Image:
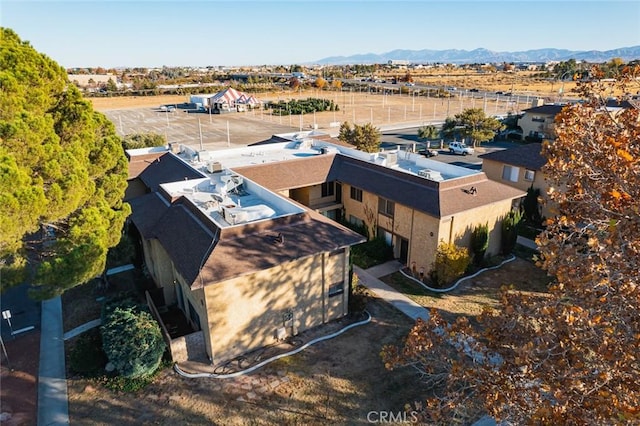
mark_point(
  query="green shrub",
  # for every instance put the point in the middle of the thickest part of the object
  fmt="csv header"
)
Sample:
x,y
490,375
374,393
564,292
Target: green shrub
x,y
532,209
143,140
357,296
132,341
87,357
510,225
371,253
479,243
451,263
301,106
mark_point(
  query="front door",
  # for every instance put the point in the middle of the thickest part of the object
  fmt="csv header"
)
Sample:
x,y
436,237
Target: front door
x,y
404,250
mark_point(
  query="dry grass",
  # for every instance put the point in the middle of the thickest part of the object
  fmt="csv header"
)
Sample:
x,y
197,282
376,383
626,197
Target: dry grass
x,y
333,382
472,295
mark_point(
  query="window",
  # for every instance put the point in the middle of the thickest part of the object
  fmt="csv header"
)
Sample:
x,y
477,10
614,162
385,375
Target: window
x,y
537,119
336,289
510,173
327,189
386,207
385,235
356,194
355,220
529,175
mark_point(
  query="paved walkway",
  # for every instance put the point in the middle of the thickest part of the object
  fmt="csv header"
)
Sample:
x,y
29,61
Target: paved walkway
x,y
53,406
527,242
369,279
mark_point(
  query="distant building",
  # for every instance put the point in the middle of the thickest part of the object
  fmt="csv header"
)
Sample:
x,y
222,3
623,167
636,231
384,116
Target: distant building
x,y
398,62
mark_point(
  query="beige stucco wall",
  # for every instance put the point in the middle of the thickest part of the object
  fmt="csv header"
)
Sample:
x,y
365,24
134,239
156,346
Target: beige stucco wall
x,y
245,313
367,210
462,224
423,241
301,195
528,125
160,267
493,170
425,232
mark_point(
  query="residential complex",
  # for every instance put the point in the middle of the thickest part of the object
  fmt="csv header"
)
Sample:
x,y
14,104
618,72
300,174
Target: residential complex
x,y
247,244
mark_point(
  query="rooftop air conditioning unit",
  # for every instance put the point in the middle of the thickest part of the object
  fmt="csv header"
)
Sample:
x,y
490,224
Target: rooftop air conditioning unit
x,y
214,166
392,158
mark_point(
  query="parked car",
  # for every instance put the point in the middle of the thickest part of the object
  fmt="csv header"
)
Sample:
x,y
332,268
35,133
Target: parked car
x,y
460,148
428,152
474,90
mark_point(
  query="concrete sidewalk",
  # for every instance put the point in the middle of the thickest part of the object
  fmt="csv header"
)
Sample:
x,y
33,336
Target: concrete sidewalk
x,y
53,406
369,279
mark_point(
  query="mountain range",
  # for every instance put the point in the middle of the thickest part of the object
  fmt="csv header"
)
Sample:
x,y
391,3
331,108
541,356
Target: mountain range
x,y
480,56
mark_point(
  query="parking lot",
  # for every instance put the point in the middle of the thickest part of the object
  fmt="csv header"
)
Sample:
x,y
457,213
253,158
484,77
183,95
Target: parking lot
x,y
197,129
218,131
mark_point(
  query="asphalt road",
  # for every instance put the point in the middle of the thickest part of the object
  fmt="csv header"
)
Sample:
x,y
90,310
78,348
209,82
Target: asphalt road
x,y
25,312
409,136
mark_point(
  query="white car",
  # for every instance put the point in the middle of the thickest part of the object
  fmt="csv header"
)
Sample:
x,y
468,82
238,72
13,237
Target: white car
x,y
460,148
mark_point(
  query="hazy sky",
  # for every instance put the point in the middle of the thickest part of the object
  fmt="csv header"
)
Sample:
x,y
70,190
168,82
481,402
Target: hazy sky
x,y
152,33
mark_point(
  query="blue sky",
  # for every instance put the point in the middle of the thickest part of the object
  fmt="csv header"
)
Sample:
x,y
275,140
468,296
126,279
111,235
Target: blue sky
x,y
152,33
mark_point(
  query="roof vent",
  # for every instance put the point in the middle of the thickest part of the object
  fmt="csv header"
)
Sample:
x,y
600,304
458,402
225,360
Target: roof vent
x,y
214,166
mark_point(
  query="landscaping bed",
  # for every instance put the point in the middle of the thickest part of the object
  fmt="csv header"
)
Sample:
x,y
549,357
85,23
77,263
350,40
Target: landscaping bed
x,y
473,294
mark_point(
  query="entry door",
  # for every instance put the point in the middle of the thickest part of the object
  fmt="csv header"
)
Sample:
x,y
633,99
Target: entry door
x,y
404,250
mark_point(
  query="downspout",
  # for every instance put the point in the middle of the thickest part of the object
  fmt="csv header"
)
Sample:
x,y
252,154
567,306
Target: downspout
x,y
413,214
325,290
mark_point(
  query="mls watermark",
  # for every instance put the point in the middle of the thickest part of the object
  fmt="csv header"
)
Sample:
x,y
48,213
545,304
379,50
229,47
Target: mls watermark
x,y
392,417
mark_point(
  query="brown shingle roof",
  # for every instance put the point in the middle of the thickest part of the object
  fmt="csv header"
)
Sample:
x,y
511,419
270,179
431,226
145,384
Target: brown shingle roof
x,y
272,139
166,168
138,163
238,254
186,239
146,210
550,109
456,195
528,156
290,174
433,198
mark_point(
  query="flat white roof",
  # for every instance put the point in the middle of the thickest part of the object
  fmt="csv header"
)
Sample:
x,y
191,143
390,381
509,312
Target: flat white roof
x,y
229,199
